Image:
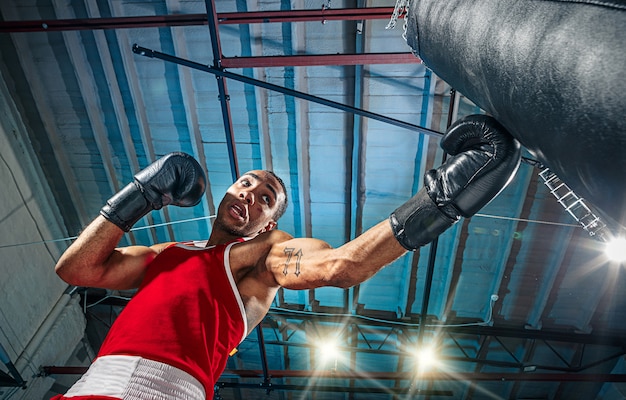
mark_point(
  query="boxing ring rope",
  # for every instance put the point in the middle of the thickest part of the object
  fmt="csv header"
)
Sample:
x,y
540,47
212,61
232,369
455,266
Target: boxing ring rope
x,y
182,221
132,230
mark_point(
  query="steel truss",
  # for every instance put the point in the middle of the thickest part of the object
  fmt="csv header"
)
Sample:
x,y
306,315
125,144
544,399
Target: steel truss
x,y
365,333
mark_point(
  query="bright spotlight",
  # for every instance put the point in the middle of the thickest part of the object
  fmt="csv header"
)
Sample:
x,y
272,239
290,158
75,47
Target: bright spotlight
x,y
616,249
426,358
328,350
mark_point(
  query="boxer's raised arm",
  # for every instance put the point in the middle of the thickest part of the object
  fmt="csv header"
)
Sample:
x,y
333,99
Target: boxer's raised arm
x,y
94,260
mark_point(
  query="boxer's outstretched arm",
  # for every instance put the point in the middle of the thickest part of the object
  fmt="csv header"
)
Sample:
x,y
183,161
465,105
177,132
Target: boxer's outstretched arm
x,y
484,159
310,263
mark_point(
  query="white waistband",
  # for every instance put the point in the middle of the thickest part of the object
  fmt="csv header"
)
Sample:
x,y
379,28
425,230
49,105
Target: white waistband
x,y
136,378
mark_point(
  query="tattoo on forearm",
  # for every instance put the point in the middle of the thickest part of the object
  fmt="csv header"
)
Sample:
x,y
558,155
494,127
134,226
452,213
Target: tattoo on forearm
x,y
289,251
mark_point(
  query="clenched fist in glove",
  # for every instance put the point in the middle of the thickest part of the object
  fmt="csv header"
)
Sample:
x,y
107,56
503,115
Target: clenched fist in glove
x,y
176,179
484,159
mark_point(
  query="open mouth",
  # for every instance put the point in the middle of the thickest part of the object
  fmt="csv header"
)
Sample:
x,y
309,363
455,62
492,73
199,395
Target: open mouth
x,y
237,210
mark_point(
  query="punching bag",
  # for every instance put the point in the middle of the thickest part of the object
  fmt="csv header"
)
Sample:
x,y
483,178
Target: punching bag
x,y
552,72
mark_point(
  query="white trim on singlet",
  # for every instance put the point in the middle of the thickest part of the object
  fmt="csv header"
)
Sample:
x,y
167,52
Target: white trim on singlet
x,y
199,245
233,285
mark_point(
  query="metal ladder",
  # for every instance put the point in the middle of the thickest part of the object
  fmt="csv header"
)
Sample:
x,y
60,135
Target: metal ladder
x,y
574,205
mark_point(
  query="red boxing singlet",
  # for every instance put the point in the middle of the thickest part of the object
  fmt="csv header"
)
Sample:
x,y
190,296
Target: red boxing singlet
x,y
187,313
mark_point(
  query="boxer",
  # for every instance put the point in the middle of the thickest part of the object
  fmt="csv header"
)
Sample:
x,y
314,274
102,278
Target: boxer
x,y
194,305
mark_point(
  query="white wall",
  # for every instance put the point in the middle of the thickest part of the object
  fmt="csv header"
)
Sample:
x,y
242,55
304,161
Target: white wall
x,y
39,324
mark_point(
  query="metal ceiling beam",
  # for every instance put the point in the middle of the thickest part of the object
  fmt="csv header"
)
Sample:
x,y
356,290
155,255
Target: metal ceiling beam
x,y
320,60
321,14
159,21
516,365
305,96
597,338
386,375
331,389
401,353
480,358
430,376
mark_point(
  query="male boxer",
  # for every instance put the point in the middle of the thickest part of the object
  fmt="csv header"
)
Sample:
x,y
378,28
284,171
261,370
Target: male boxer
x,y
196,304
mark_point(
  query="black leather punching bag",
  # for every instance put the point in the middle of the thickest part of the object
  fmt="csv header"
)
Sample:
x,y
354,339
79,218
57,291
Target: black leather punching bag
x,y
552,72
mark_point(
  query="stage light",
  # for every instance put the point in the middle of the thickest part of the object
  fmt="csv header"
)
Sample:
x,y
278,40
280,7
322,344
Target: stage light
x,y
328,353
616,249
328,350
426,358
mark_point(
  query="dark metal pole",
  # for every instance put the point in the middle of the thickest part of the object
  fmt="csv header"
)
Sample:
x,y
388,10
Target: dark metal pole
x,y
331,388
158,21
308,60
433,247
386,375
436,376
305,96
222,88
264,365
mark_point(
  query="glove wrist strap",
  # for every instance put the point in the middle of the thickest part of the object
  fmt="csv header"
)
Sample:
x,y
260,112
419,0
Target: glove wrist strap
x,y
419,221
126,207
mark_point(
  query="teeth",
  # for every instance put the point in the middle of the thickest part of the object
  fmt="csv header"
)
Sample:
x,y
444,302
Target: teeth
x,y
238,209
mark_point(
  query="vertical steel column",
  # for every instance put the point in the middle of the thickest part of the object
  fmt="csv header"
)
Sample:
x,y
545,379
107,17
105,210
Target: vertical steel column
x,y
432,255
264,365
223,90
433,246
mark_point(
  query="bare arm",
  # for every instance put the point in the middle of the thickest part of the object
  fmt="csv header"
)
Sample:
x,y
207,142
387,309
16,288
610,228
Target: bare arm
x,y
94,261
311,263
484,159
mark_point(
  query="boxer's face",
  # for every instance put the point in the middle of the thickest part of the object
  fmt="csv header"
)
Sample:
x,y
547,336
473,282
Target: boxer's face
x,y
249,206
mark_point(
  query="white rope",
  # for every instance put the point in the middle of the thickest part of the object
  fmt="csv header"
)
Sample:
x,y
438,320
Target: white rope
x,y
132,230
213,216
534,221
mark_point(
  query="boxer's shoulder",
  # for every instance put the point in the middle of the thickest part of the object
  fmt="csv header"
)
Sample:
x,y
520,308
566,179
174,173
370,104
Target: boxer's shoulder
x,y
267,239
250,252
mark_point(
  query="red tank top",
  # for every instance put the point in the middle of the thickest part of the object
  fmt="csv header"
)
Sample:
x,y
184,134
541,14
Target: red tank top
x,y
187,313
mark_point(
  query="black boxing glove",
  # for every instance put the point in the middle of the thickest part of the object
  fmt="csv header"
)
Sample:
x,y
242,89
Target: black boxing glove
x,y
176,178
485,157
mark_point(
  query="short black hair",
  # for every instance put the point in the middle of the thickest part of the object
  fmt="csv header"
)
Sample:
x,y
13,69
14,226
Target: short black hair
x,y
283,206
